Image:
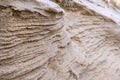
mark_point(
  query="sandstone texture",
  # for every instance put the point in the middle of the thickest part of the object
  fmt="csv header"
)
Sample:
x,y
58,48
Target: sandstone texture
x,y
58,40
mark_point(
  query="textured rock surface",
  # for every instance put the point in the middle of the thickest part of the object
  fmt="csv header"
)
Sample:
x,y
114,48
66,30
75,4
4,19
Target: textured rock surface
x,y
77,45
